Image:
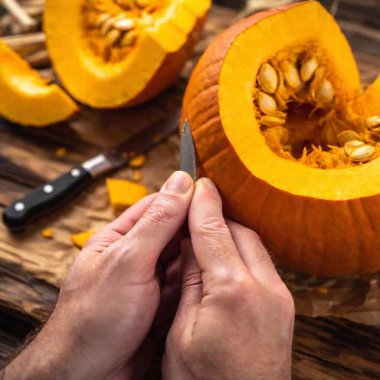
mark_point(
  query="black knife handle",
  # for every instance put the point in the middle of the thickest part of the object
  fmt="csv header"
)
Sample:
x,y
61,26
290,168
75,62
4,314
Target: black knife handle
x,y
45,198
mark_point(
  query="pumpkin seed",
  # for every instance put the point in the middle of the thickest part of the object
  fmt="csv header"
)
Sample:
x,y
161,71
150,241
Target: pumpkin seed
x,y
350,146
113,37
124,24
325,92
346,136
101,19
373,122
272,121
266,103
268,79
292,76
129,39
308,69
362,153
107,26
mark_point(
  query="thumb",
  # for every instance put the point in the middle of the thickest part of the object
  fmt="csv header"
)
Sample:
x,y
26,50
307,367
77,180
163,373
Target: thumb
x,y
192,290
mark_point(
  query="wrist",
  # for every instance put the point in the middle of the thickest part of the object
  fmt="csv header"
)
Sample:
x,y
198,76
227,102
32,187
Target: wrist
x,y
53,354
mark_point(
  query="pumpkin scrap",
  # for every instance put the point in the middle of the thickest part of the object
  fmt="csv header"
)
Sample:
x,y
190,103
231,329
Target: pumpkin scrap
x,y
282,125
25,98
82,238
137,162
137,175
61,152
123,193
113,53
48,233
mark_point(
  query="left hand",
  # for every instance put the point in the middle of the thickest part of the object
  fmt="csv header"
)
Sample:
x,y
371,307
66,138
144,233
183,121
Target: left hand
x,y
110,297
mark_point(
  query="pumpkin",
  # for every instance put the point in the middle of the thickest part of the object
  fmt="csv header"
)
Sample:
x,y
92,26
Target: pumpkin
x,y
114,53
25,98
282,125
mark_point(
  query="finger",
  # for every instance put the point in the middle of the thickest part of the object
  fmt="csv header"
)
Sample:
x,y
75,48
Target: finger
x,y
141,247
192,290
173,249
121,225
169,296
212,242
253,253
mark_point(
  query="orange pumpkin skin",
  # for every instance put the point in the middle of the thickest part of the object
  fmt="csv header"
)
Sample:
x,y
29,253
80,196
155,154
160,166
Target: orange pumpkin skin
x,y
310,235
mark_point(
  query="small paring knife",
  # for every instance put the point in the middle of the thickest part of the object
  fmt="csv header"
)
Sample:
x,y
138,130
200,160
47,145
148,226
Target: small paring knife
x,y
52,194
188,158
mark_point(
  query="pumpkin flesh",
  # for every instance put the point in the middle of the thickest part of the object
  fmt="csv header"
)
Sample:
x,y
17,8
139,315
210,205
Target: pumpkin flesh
x,y
315,218
25,98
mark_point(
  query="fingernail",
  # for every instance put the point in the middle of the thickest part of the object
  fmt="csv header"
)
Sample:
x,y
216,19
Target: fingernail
x,y
207,182
178,183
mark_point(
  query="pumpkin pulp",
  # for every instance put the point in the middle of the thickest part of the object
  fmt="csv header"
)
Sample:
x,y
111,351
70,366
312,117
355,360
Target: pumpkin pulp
x,y
304,120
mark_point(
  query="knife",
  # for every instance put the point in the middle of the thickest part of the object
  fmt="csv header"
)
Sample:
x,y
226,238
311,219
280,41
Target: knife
x,y
49,196
188,158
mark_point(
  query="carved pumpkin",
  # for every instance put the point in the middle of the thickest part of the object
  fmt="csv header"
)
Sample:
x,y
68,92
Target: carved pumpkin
x,y
282,125
25,98
113,53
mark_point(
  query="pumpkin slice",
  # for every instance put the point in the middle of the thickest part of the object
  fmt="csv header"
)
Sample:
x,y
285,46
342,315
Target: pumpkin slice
x,y
25,98
113,53
282,125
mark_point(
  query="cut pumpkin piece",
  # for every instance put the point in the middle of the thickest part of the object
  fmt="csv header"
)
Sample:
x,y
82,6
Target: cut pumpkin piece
x,y
114,53
82,238
25,98
123,193
283,127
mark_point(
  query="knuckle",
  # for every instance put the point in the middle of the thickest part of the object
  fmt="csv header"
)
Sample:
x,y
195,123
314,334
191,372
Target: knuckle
x,y
164,209
237,288
119,256
192,280
212,225
285,299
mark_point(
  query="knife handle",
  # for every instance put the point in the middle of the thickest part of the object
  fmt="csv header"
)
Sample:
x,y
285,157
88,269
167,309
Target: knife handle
x,y
45,198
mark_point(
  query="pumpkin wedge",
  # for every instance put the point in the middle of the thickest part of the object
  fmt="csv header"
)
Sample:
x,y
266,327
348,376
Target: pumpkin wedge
x,y
114,53
282,125
25,98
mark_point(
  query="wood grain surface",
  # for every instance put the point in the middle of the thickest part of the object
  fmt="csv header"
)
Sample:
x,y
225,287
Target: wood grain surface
x,y
32,267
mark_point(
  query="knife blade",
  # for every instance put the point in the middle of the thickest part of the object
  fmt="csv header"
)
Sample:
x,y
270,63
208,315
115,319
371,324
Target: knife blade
x,y
188,158
52,194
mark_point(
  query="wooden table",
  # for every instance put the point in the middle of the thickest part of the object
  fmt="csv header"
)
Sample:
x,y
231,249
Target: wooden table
x,y
32,267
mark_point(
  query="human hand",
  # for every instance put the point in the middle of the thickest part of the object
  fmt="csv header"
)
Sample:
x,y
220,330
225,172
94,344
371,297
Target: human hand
x,y
235,318
110,297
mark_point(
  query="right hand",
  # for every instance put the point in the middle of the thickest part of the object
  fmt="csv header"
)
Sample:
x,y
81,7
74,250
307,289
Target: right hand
x,y
236,317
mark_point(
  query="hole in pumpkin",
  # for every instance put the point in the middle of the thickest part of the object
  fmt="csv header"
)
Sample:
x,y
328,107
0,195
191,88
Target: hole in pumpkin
x,y
302,116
